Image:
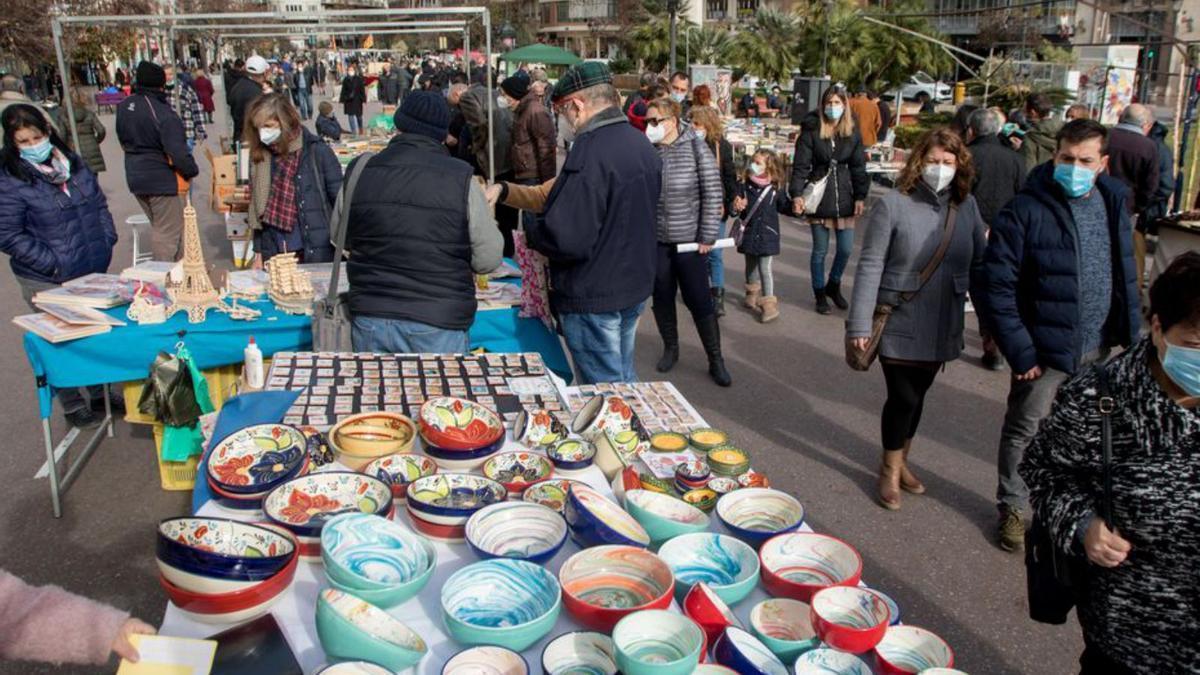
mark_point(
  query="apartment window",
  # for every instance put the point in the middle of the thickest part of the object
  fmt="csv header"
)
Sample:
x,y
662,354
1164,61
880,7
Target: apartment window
x,y
717,10
562,11
747,8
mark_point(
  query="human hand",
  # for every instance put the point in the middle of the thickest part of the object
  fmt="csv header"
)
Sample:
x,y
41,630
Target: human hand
x,y
859,207
122,646
451,141
739,203
257,263
493,193
798,205
705,248
1030,375
1103,546
860,343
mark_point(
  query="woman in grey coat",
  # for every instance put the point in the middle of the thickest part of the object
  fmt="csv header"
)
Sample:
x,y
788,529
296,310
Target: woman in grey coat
x,y
689,211
903,230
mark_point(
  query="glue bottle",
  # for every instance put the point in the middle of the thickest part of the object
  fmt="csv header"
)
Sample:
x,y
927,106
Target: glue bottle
x,y
252,368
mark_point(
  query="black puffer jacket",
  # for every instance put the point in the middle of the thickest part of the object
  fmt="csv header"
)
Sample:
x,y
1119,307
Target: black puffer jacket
x,y
999,175
155,147
843,157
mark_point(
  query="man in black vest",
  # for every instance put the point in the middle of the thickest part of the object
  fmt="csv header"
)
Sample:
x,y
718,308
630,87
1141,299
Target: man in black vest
x,y
419,229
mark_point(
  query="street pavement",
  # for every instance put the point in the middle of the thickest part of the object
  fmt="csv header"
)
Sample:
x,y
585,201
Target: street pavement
x,y
811,424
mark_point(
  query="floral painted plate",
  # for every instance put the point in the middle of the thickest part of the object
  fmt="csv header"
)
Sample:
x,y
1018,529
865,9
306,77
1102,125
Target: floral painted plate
x,y
518,470
303,504
458,424
552,493
257,457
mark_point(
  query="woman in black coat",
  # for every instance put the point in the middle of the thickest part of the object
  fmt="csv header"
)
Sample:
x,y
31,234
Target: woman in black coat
x,y
706,120
829,145
354,95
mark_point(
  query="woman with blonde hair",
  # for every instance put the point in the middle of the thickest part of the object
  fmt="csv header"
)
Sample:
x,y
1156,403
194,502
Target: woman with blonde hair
x,y
830,161
709,126
294,180
921,242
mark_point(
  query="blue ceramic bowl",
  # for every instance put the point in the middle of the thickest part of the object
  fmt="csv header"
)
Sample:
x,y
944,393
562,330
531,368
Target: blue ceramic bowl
x,y
351,628
486,659
597,521
520,530
453,495
305,503
501,602
222,548
754,515
824,660
892,606
256,459
580,652
571,454
376,559
728,566
744,653
657,642
447,453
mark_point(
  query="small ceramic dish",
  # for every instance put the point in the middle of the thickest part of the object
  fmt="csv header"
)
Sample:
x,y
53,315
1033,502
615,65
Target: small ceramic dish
x,y
354,668
693,471
709,612
571,454
785,627
520,530
726,460
517,470
551,493
657,642
655,484
257,458
351,628
580,652
849,618
744,653
486,659
707,439
663,516
723,485
595,520
755,515
453,495
823,661
458,424
701,498
401,469
603,584
304,504
798,564
360,439
907,649
668,441
510,603
753,479
727,565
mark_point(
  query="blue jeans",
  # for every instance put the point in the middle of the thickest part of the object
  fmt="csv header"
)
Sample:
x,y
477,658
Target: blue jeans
x,y
304,103
845,246
716,261
356,124
400,336
602,344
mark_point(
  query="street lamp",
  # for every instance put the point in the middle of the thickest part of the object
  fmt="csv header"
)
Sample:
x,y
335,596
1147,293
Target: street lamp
x,y
508,35
673,9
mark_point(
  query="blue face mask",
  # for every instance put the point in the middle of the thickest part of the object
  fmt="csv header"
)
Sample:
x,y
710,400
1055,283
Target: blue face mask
x,y
37,153
834,112
1075,180
1182,365
678,97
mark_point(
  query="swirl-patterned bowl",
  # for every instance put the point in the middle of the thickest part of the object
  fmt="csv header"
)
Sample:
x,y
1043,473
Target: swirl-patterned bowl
x,y
663,516
754,515
823,661
455,496
360,439
354,668
518,470
892,606
728,566
551,493
458,424
221,549
487,659
709,612
520,530
849,618
401,469
908,649
746,654
596,521
657,642
603,584
580,653
257,458
502,602
713,669
352,628
571,454
785,627
798,564
376,559
304,504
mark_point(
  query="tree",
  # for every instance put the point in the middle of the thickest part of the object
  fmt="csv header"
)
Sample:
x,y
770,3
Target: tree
x,y
24,30
709,44
766,46
650,40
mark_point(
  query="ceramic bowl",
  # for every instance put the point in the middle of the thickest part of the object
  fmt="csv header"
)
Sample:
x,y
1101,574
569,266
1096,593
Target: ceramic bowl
x,y
595,520
490,660
360,439
354,668
235,502
657,642
707,439
726,460
942,671
713,669
401,469
754,515
520,530
453,495
198,583
466,465
602,585
458,424
753,479
222,548
303,504
604,415
664,517
533,428
701,498
722,485
571,454
580,652
451,455
655,484
798,564
849,618
366,553
551,493
893,608
785,627
707,609
455,534
728,566
908,649
744,653
352,628
236,606
502,602
693,470
257,458
823,661
517,470
668,441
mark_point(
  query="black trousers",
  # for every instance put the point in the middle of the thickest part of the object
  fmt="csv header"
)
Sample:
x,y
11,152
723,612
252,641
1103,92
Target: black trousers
x,y
506,219
687,273
906,387
1095,662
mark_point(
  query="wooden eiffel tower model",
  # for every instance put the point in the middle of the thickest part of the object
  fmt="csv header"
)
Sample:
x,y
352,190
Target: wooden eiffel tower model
x,y
194,293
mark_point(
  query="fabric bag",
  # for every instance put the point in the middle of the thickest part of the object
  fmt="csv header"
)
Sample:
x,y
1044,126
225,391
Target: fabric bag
x,y
331,315
535,289
861,359
1051,578
814,193
738,230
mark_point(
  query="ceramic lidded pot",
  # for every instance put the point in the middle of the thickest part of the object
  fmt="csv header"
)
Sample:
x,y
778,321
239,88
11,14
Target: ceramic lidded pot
x,y
534,428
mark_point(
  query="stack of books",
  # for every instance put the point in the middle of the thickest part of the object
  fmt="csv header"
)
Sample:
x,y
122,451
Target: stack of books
x,y
152,272
100,291
72,311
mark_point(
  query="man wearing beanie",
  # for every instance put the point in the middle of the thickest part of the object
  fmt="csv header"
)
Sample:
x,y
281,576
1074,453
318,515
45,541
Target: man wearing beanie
x,y
420,228
533,155
158,163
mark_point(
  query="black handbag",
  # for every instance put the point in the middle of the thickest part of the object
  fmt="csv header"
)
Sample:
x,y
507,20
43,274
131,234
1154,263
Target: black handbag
x,y
1052,578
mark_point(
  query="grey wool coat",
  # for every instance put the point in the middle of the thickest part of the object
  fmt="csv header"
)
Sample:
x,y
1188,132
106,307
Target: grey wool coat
x,y
689,206
900,235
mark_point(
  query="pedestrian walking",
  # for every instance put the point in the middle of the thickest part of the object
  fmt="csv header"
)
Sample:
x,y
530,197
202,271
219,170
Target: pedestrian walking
x,y
534,158
762,196
1133,159
204,89
245,90
709,127
866,117
186,103
1040,141
90,129
353,98
301,83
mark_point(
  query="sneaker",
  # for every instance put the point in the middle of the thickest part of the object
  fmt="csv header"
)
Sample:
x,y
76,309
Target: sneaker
x,y
83,418
1012,529
116,403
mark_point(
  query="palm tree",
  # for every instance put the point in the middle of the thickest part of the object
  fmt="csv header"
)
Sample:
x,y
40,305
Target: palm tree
x,y
709,44
650,41
767,46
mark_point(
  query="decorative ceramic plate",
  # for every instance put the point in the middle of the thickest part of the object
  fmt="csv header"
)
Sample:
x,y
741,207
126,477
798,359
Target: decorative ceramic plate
x,y
227,537
374,548
552,493
518,470
454,493
304,504
459,424
257,456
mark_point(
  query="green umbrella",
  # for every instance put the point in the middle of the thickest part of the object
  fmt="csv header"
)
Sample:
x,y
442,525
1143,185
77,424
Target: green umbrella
x,y
539,53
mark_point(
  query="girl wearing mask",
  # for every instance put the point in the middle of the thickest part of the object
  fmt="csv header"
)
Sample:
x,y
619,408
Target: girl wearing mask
x,y
762,197
709,128
903,233
354,96
294,180
829,149
689,209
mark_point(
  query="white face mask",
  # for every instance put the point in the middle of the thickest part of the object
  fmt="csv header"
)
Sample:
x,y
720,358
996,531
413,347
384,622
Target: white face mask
x,y
268,135
502,101
702,134
938,176
757,169
656,133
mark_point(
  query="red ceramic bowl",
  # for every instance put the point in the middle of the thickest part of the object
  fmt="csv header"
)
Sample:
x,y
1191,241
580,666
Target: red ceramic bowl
x,y
703,644
905,650
798,564
485,426
226,603
451,533
849,618
708,611
603,584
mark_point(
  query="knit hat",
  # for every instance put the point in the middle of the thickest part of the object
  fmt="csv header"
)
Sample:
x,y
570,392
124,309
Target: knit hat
x,y
516,85
256,65
151,75
425,113
580,77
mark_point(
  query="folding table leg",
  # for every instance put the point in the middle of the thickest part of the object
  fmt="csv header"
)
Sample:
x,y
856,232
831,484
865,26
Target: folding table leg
x,y
52,467
108,416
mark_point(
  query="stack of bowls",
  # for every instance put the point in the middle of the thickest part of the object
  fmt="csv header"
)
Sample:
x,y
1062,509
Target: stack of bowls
x,y
744,653
662,516
785,627
520,530
486,659
352,628
224,571
303,505
251,462
707,439
361,439
400,469
580,652
849,618
604,584
726,460
908,649
518,470
507,603
755,515
658,642
728,566
691,475
439,506
595,520
460,435
798,564
375,559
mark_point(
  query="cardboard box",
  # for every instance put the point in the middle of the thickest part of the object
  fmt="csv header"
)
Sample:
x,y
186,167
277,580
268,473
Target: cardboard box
x,y
225,169
224,192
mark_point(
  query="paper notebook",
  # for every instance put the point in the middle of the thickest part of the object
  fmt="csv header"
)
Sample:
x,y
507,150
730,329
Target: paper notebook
x,y
162,655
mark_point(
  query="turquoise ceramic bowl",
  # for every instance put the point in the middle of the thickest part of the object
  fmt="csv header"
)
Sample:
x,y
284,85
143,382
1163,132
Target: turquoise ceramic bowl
x,y
727,565
657,642
376,559
579,653
785,627
502,602
353,629
663,516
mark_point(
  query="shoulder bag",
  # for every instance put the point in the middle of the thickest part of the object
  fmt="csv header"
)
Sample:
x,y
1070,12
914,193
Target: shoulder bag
x,y
814,193
1052,579
738,230
861,359
331,315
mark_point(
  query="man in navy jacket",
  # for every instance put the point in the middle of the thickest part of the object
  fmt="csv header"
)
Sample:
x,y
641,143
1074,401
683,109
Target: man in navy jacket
x,y
1058,291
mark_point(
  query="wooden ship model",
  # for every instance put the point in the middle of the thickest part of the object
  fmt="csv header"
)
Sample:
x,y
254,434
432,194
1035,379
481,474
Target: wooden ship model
x,y
194,292
288,286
